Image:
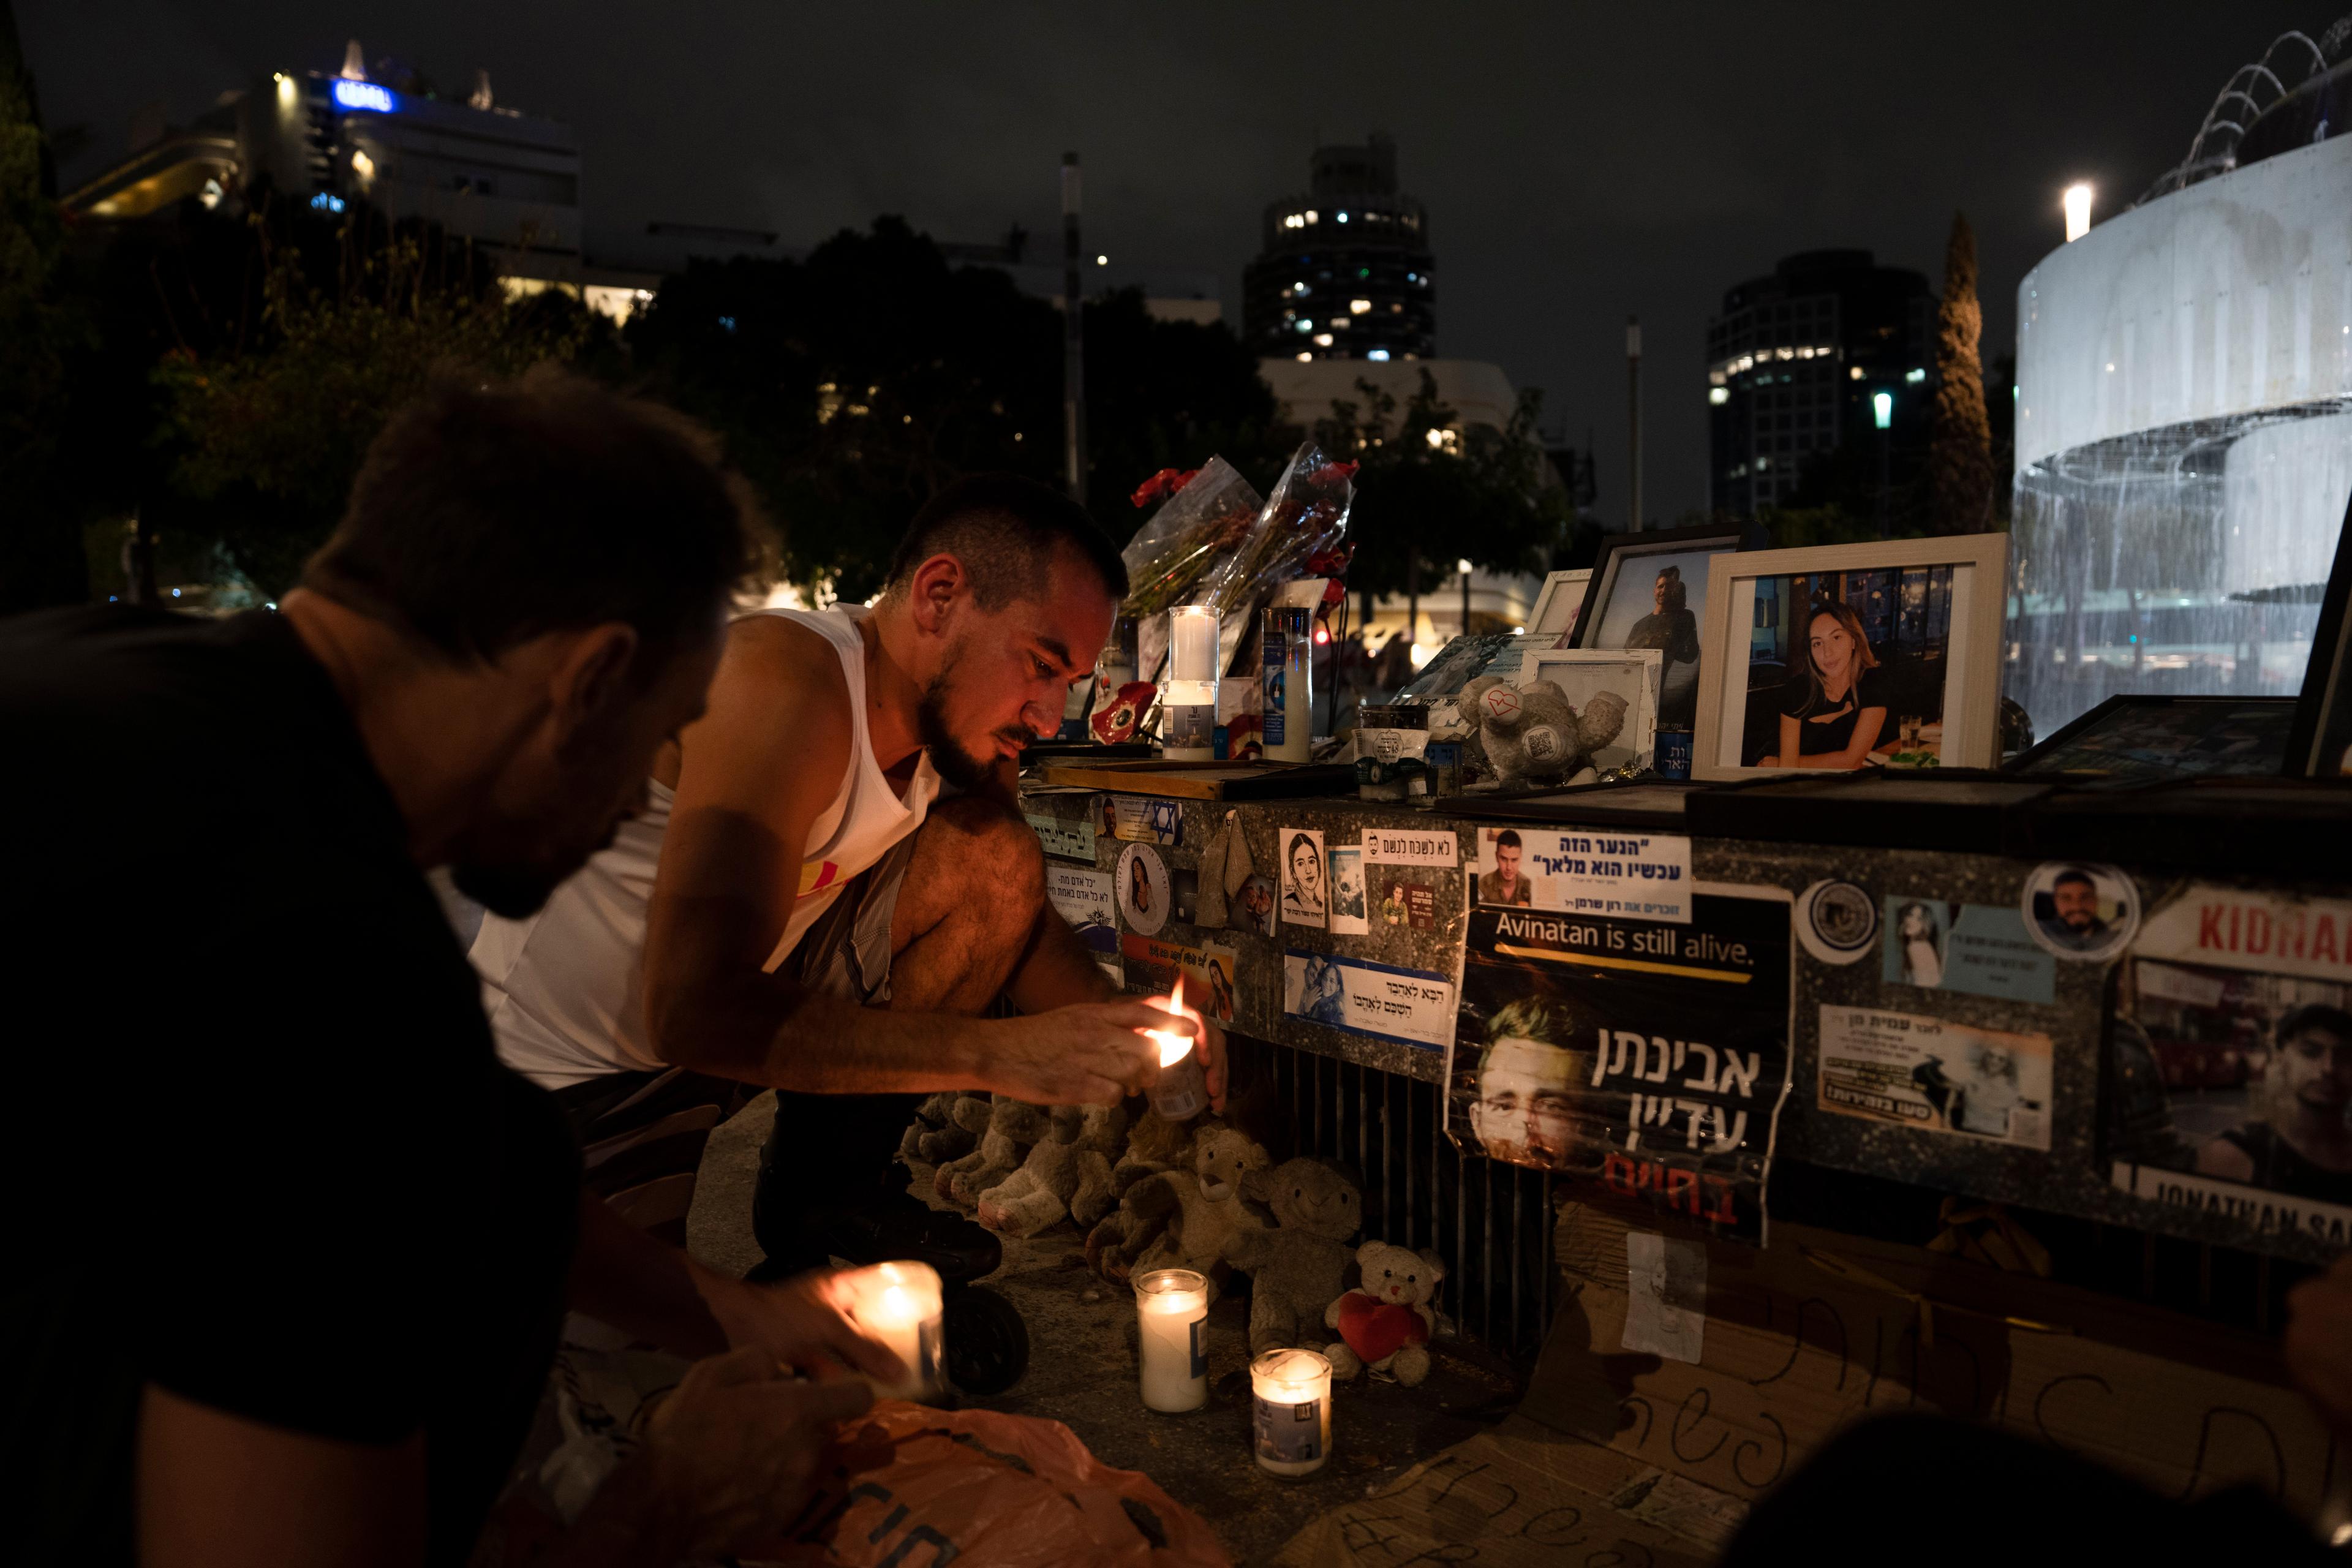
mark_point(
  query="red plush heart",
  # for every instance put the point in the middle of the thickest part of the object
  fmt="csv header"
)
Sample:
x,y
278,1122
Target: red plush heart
x,y
1376,1330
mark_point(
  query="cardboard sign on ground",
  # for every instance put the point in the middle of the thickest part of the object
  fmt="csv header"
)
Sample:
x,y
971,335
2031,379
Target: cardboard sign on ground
x,y
1616,1451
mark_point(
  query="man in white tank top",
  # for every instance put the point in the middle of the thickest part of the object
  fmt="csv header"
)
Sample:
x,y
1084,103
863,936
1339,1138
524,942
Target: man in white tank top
x,y
794,910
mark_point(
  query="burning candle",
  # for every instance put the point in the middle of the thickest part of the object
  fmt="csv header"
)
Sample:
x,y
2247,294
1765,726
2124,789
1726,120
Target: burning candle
x,y
899,1304
1182,1090
1172,1308
1291,1411
1191,696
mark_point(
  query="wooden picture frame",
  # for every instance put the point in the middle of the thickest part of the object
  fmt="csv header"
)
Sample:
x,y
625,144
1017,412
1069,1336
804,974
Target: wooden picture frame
x,y
1622,606
1574,670
1560,600
1619,550
2319,745
1944,659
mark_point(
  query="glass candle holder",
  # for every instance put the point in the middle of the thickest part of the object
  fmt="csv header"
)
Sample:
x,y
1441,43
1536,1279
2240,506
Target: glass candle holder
x,y
1290,1411
900,1305
1189,702
1287,684
1171,1306
1181,1091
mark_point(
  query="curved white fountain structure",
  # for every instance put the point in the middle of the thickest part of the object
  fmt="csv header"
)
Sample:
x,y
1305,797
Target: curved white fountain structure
x,y
2184,438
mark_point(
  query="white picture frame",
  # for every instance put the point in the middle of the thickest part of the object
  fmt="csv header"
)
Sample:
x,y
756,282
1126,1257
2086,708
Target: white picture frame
x,y
1557,604
1968,688
1631,673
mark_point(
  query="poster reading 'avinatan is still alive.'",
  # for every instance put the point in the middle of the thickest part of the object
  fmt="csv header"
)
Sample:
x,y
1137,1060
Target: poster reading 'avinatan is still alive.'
x,y
1652,1056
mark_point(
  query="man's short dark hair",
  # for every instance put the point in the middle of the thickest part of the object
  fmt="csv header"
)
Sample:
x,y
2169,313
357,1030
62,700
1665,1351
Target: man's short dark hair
x,y
2073,874
2301,1021
1507,840
486,514
1006,529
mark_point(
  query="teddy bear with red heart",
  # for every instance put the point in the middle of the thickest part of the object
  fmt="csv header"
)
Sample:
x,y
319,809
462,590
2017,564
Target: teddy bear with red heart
x,y
1385,1322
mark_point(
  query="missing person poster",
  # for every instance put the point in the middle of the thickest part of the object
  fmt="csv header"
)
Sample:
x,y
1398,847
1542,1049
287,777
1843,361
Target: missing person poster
x,y
1939,1076
2229,1079
1635,875
1651,1057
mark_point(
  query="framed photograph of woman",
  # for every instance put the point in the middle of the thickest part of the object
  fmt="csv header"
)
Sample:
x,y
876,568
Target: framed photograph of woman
x,y
1852,655
1649,590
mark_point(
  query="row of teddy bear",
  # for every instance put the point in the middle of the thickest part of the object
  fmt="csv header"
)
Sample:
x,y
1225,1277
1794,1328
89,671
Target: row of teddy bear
x,y
1200,1195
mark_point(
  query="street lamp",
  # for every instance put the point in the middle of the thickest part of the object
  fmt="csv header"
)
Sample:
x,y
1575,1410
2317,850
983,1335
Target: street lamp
x,y
1463,566
1882,414
2077,202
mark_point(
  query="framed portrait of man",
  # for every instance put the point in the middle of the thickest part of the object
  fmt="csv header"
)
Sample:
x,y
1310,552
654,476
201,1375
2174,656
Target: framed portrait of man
x,y
1649,591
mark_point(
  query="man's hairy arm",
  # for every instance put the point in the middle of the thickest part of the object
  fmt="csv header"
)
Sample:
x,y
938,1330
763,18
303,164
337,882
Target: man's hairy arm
x,y
756,773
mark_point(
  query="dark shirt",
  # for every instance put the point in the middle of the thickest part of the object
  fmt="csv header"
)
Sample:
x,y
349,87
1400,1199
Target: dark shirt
x,y
262,1152
1676,631
1830,726
2279,1167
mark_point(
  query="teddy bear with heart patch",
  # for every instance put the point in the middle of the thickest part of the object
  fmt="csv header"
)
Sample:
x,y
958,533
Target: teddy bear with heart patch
x,y
1385,1322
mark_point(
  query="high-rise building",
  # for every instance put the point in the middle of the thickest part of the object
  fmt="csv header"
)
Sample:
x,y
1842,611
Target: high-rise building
x,y
1344,271
1829,350
508,181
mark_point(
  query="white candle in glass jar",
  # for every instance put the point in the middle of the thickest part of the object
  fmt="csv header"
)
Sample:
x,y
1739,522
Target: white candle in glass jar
x,y
899,1304
1189,704
1291,1411
1182,1090
1172,1308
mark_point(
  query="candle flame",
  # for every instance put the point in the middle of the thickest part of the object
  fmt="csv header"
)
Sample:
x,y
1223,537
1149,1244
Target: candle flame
x,y
1174,1049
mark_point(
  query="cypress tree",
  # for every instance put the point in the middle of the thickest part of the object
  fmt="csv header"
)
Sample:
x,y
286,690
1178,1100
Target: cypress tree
x,y
1959,449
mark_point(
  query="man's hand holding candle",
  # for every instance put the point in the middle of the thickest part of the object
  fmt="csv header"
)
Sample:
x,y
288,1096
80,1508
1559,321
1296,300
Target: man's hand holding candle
x,y
805,1322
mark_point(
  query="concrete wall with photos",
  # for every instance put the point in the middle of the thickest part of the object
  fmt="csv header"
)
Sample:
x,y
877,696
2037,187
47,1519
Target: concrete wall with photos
x,y
1951,1049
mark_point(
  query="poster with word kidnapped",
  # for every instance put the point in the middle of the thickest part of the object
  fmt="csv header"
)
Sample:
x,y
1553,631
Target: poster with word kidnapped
x,y
1651,1056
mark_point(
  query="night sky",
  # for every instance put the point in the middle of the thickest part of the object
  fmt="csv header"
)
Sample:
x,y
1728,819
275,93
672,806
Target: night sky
x,y
1580,162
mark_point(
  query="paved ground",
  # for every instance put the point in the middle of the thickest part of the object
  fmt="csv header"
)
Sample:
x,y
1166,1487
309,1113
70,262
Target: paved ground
x,y
1082,1372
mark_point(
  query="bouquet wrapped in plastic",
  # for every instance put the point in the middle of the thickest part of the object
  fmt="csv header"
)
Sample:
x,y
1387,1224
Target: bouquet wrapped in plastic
x,y
1307,517
1205,515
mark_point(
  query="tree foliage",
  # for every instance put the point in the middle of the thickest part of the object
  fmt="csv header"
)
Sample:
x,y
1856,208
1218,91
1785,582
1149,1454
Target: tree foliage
x,y
1959,442
40,552
1430,493
852,386
267,429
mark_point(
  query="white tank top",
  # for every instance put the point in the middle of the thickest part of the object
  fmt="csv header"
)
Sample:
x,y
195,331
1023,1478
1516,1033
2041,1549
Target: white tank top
x,y
564,988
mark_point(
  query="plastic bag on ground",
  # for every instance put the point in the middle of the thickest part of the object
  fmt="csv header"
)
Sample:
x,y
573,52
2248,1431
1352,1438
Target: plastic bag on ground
x,y
918,1485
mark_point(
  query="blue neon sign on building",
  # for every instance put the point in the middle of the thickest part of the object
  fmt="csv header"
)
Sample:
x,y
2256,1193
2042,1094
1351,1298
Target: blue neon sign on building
x,y
364,95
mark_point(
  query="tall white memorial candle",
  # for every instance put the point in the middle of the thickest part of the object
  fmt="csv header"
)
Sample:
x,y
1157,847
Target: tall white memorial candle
x,y
1189,713
1171,1306
1182,1090
1291,1411
899,1304
1288,684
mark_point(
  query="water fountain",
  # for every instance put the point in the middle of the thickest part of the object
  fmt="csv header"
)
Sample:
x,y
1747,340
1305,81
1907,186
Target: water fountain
x,y
2184,420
